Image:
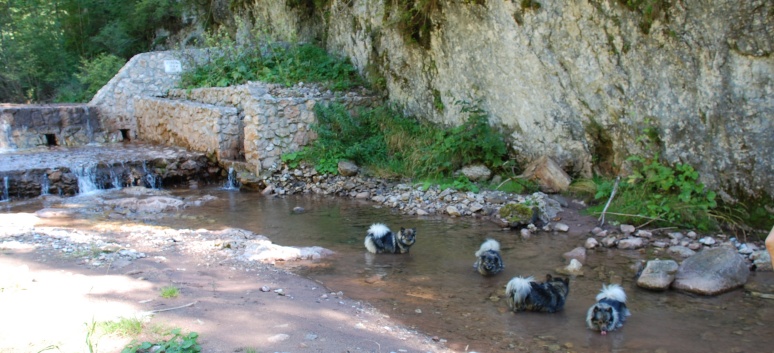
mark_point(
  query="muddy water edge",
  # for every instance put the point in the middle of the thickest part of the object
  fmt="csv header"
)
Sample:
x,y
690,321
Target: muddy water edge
x,y
435,290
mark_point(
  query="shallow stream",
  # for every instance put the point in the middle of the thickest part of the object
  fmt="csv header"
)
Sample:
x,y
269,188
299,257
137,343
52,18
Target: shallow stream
x,y
435,290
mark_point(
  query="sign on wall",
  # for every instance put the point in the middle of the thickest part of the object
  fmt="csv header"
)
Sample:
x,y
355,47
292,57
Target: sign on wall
x,y
173,66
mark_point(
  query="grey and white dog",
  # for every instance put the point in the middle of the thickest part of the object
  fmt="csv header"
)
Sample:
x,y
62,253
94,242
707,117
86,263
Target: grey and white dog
x,y
610,311
488,259
380,239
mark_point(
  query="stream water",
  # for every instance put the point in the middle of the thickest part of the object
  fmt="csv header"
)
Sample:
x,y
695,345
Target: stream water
x,y
435,290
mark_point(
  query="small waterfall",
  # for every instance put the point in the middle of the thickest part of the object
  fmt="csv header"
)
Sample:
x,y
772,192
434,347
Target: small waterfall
x,y
152,181
87,178
6,137
115,178
231,183
5,196
45,184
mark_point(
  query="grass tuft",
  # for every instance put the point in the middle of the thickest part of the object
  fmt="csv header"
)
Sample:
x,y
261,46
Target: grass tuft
x,y
170,292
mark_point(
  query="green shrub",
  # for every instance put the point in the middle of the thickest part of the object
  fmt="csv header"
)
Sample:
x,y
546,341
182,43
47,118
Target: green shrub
x,y
659,194
94,74
389,143
178,343
473,141
233,64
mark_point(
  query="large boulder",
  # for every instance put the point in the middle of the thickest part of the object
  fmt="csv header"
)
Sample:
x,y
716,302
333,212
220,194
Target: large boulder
x,y
712,271
347,168
476,172
658,274
548,174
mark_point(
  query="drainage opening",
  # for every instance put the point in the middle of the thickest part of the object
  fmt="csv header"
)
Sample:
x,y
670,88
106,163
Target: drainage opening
x,y
50,140
124,134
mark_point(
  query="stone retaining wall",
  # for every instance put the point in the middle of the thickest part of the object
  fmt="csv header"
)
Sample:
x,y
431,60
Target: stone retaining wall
x,y
275,120
255,122
201,127
145,75
29,126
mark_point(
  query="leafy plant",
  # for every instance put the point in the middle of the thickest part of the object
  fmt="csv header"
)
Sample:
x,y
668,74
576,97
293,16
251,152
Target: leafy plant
x,y
234,64
170,292
178,343
661,194
473,141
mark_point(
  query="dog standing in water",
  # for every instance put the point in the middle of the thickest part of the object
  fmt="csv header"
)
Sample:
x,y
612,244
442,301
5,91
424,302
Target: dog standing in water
x,y
489,262
380,239
610,312
524,294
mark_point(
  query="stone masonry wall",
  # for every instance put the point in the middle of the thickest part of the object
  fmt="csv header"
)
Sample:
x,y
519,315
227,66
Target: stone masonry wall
x,y
145,75
197,126
275,120
258,122
23,127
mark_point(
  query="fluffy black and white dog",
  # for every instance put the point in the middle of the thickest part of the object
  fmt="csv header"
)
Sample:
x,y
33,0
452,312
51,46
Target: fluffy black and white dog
x,y
381,239
610,311
488,259
524,294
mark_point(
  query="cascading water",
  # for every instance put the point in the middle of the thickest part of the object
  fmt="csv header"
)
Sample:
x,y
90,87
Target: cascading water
x,y
45,184
151,181
5,196
115,178
87,178
231,183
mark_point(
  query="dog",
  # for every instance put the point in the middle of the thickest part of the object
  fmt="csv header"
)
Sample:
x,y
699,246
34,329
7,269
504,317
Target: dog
x,y
610,311
489,261
381,239
524,294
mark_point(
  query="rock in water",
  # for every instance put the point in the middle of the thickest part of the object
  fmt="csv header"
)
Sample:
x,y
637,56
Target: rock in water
x,y
712,271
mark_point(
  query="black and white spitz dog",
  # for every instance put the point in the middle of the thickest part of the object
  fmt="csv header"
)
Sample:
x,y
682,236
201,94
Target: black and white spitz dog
x,y
488,260
381,239
524,294
609,312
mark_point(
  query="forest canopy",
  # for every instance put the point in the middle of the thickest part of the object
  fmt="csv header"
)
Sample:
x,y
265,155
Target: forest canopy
x,y
54,50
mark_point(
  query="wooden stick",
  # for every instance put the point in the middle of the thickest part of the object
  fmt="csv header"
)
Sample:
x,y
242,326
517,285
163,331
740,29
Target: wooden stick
x,y
168,309
612,194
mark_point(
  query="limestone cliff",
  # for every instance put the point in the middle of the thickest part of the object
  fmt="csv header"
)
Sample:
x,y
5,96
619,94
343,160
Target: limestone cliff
x,y
577,80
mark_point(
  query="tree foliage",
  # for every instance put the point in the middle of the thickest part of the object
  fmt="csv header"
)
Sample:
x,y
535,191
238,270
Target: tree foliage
x,y
42,42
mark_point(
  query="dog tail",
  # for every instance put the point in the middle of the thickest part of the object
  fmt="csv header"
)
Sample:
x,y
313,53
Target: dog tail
x,y
369,244
378,230
518,288
489,244
612,292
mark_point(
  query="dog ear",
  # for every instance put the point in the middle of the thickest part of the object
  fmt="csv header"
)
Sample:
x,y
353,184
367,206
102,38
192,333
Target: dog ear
x,y
548,277
402,229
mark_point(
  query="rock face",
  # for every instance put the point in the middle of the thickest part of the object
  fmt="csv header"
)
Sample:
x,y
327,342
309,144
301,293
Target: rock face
x,y
576,80
712,271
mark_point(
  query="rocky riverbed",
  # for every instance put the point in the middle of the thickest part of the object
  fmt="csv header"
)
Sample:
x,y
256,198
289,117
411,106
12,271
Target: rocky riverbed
x,y
415,199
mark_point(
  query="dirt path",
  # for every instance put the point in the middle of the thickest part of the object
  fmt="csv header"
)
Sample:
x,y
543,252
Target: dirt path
x,y
48,300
